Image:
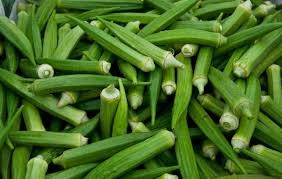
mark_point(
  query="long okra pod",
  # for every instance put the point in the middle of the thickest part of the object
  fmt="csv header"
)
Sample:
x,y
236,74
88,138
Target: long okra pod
x,y
211,104
206,124
161,57
43,12
90,105
166,18
110,98
184,149
11,62
113,45
36,168
99,151
127,70
244,66
232,94
200,77
183,91
22,22
120,120
209,149
20,159
252,167
154,91
212,26
35,35
274,83
149,148
143,18
37,71
272,109
168,81
63,31
50,37
228,121
264,9
185,36
135,93
32,118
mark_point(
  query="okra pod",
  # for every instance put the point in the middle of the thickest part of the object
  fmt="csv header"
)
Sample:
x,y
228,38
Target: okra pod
x,y
228,121
251,22
208,2
272,109
140,115
20,159
99,151
5,162
184,149
167,18
189,50
77,66
32,118
185,36
257,53
87,95
274,83
113,45
43,12
206,124
36,168
252,167
200,77
120,120
135,93
163,58
48,139
63,31
264,9
209,150
110,98
106,56
35,35
238,17
127,70
125,17
211,104
168,81
184,90
232,94
68,97
23,20
149,148
93,53
154,91
50,37
10,31
91,105
211,26
246,36
38,71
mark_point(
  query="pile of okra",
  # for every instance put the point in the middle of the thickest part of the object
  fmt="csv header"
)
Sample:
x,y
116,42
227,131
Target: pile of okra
x,y
141,89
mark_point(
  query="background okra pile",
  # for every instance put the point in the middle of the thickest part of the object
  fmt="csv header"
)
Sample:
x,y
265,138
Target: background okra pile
x,y
140,89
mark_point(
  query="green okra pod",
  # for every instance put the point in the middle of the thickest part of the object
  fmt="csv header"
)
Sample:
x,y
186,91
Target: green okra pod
x,y
11,62
20,159
38,71
189,50
185,36
63,31
251,22
252,167
184,90
23,20
50,37
264,9
272,109
5,161
110,98
257,53
36,168
68,97
99,151
211,104
228,121
232,94
120,121
209,149
113,45
43,12
200,77
143,18
93,53
274,83
48,139
127,70
91,105
35,35
140,115
168,81
212,26
149,148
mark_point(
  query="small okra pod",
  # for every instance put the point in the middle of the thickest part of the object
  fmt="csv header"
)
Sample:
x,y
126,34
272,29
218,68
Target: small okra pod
x,y
264,9
115,46
143,18
211,104
48,139
243,135
252,167
10,31
50,37
11,61
232,94
149,173
206,124
127,70
246,36
257,53
211,26
184,149
110,98
272,109
168,17
38,71
93,53
183,91
20,158
23,20
35,35
100,150
168,81
32,118
187,35
154,91
251,22
239,16
120,121
74,172
135,93
212,10
43,13
273,73
77,66
189,50
200,77
5,130
135,154
36,168
162,57
68,43
272,57
106,56
140,115
63,31
209,150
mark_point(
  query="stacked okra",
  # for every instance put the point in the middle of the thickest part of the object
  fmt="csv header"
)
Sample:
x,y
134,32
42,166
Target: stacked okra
x,y
141,89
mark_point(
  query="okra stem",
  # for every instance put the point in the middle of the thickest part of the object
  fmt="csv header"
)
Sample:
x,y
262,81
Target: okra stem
x,y
274,83
269,107
189,50
37,71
